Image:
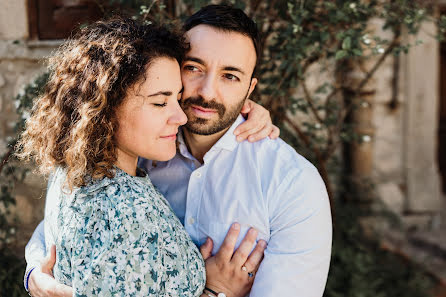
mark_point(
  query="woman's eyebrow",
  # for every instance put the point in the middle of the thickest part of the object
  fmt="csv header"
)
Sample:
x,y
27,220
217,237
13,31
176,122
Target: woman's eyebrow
x,y
164,93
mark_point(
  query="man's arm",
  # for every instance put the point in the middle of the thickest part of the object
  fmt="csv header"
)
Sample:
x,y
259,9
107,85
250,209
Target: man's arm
x,y
35,251
297,258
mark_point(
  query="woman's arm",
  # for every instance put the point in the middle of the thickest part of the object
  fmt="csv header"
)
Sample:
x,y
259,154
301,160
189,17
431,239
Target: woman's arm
x,y
258,124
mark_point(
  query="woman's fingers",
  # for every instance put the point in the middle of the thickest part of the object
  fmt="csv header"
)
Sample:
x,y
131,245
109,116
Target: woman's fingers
x,y
247,128
256,257
247,134
270,130
261,134
241,254
206,248
258,119
275,132
227,248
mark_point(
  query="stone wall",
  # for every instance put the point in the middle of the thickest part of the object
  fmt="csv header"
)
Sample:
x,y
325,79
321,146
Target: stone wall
x,y
405,144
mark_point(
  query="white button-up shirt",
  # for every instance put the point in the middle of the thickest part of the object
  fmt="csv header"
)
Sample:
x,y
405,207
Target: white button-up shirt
x,y
265,185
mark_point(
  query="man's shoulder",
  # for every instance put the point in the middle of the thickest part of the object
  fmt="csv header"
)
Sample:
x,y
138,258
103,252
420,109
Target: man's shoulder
x,y
279,152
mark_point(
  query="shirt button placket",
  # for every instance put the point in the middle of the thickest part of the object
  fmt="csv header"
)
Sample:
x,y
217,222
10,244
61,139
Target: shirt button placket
x,y
199,193
194,194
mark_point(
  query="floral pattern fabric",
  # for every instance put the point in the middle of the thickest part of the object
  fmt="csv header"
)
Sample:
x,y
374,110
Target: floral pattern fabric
x,y
119,237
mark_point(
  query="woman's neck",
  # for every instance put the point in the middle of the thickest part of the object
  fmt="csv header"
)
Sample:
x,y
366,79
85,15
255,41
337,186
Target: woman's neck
x,y
126,162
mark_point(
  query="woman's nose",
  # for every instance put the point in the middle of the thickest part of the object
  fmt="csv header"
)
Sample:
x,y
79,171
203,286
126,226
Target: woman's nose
x,y
178,116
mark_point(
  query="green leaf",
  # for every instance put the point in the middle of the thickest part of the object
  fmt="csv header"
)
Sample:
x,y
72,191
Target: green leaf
x,y
341,54
347,43
357,52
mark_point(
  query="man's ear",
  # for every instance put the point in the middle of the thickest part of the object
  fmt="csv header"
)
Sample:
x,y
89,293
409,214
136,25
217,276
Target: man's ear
x,y
252,86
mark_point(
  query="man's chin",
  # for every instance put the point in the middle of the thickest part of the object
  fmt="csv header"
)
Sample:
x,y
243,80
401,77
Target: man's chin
x,y
203,127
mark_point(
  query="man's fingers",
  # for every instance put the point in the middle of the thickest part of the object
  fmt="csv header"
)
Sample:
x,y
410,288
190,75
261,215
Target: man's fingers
x,y
206,248
227,247
242,252
49,261
275,132
44,285
254,260
63,290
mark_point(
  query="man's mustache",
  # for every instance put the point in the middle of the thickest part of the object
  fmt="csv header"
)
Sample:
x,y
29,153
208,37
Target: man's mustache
x,y
199,101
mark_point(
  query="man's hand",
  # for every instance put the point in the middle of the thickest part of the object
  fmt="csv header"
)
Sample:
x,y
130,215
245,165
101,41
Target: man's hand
x,y
233,272
42,282
258,124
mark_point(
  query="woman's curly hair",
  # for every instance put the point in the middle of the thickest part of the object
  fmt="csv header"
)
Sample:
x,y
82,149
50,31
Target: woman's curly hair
x,y
73,122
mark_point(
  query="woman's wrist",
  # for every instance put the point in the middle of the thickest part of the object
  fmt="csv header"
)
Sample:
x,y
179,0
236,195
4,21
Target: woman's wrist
x,y
217,291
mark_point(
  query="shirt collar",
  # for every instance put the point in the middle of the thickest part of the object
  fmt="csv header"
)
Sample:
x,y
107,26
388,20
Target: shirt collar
x,y
227,142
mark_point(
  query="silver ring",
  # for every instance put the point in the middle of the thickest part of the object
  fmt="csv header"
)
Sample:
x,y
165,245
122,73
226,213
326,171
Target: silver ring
x,y
244,268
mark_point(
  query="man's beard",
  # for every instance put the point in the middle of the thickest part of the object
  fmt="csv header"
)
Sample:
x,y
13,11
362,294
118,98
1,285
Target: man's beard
x,y
201,126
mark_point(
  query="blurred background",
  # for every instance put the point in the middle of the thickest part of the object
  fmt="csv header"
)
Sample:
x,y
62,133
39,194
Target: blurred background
x,y
357,87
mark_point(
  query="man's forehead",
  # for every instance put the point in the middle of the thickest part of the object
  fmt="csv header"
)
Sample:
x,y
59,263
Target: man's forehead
x,y
227,47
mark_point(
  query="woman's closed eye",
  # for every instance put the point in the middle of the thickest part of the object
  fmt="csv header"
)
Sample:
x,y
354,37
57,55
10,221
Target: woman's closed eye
x,y
160,104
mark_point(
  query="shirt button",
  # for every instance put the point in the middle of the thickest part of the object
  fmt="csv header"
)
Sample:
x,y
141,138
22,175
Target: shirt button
x,y
191,221
198,174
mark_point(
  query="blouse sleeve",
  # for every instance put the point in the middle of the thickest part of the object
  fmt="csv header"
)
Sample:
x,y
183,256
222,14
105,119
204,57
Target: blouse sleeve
x,y
115,250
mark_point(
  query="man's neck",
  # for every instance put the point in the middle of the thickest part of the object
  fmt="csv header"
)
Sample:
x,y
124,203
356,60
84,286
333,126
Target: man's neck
x,y
199,145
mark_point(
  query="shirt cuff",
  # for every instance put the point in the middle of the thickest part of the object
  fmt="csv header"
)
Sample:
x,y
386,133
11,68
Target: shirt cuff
x,y
26,277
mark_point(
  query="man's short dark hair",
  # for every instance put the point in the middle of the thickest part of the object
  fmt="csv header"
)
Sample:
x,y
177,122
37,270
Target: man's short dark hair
x,y
227,18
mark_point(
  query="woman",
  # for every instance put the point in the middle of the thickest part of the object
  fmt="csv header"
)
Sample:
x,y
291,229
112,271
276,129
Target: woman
x,y
113,96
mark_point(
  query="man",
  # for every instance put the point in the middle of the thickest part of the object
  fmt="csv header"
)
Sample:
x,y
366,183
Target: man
x,y
214,180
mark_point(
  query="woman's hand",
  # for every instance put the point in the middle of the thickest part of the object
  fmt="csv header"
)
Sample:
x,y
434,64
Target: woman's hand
x,y
232,272
258,124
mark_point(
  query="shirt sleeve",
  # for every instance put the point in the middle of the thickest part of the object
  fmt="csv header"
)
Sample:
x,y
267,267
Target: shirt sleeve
x,y
297,258
114,253
35,251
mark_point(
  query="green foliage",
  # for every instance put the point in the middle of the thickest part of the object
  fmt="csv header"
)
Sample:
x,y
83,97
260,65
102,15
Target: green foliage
x,y
11,275
12,267
361,268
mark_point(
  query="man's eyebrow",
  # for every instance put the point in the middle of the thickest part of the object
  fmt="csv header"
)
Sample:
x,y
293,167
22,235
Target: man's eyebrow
x,y
195,59
226,68
232,68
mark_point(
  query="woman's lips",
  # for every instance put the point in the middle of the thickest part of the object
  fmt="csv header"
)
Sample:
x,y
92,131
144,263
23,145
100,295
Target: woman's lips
x,y
170,137
203,112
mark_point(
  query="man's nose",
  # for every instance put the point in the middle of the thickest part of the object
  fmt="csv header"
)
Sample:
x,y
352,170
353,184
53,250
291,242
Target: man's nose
x,y
208,87
178,117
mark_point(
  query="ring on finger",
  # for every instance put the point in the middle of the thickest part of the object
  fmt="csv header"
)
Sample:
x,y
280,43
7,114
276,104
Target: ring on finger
x,y
244,268
250,274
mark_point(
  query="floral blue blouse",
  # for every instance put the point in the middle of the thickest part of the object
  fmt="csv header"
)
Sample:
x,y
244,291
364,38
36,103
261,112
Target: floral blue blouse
x,y
119,237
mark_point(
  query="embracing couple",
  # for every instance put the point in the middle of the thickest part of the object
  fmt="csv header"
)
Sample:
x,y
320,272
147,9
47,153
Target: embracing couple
x,y
132,194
